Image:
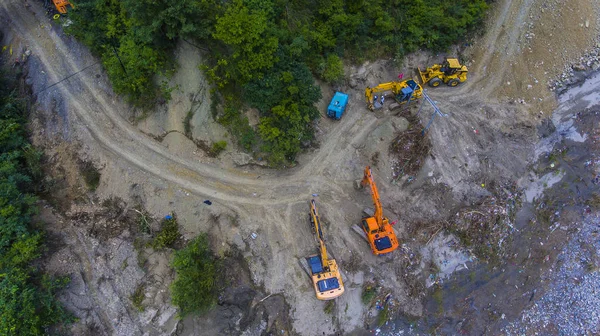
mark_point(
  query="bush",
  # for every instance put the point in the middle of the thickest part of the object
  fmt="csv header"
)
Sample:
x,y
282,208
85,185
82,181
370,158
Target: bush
x,y
168,234
137,298
333,69
368,294
218,147
91,175
194,289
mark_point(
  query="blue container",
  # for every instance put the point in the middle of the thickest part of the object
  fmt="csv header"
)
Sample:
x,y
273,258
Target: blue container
x,y
337,106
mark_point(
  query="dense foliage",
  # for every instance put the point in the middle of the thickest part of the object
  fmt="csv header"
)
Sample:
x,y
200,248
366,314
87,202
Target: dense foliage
x,y
27,298
266,51
195,286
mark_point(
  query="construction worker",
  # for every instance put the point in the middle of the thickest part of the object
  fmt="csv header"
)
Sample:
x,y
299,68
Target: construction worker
x,y
382,99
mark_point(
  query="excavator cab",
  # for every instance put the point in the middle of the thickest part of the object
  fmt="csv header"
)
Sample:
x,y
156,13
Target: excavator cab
x,y
407,92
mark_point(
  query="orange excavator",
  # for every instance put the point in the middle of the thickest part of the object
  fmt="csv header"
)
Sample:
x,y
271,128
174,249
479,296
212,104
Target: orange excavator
x,y
322,270
376,229
58,7
61,5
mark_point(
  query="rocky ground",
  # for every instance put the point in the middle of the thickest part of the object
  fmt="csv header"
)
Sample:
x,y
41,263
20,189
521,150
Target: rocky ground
x,y
473,167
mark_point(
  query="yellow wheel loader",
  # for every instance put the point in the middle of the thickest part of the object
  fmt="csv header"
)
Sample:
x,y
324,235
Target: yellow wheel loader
x,y
451,73
322,270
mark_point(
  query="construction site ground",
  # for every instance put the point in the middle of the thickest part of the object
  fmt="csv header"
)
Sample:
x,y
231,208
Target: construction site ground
x,y
484,153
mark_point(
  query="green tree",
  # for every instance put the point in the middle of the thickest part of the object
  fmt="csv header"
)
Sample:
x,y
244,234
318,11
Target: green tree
x,y
27,297
333,70
244,32
194,289
132,68
172,19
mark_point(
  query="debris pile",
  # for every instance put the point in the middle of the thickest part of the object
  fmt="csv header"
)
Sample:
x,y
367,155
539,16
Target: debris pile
x,y
382,306
408,152
486,227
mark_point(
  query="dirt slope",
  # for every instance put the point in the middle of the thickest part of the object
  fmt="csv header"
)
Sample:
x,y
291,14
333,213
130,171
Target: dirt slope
x,y
84,112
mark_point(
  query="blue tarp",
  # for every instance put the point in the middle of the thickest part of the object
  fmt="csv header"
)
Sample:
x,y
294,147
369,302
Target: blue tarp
x,y
328,284
337,106
383,243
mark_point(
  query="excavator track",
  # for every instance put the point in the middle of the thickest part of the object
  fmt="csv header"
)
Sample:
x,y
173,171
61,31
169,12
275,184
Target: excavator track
x,y
304,265
360,232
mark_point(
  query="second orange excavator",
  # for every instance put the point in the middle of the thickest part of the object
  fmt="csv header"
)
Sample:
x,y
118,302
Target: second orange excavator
x,y
376,229
62,5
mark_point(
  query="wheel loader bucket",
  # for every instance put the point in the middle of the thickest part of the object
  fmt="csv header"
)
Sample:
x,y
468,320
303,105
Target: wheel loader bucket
x,y
422,75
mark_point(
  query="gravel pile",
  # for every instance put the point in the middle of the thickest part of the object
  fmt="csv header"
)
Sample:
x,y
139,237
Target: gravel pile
x,y
570,304
578,71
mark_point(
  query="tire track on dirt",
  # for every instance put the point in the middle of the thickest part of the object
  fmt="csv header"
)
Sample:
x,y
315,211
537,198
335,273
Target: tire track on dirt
x,y
488,73
105,125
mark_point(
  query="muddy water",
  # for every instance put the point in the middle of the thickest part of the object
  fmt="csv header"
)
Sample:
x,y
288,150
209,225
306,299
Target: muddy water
x,y
557,194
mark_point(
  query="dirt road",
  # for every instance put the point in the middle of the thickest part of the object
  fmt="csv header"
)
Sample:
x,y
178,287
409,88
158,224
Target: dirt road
x,y
496,102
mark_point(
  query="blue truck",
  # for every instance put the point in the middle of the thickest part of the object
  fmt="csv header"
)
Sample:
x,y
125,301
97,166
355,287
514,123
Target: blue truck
x,y
337,106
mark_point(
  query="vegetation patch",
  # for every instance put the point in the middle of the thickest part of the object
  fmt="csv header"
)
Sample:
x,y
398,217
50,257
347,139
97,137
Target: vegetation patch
x,y
263,54
138,296
368,293
383,315
329,307
168,234
27,296
91,175
195,289
218,147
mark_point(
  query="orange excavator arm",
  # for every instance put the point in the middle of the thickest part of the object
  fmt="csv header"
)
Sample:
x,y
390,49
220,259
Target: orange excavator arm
x,y
61,5
368,179
317,223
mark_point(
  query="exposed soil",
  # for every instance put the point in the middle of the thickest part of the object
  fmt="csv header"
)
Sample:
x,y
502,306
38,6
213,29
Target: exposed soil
x,y
485,144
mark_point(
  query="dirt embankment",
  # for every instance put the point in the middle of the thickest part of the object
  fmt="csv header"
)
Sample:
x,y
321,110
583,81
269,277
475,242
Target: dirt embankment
x,y
485,145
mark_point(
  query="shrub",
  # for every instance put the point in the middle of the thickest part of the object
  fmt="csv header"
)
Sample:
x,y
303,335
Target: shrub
x,y
168,234
333,70
137,298
91,175
194,289
218,147
368,294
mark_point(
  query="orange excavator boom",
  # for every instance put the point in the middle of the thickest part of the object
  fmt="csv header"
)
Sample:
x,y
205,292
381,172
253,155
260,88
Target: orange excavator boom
x,y
377,229
368,180
61,5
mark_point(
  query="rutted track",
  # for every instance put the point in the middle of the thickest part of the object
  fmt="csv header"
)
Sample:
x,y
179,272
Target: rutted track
x,y
95,108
